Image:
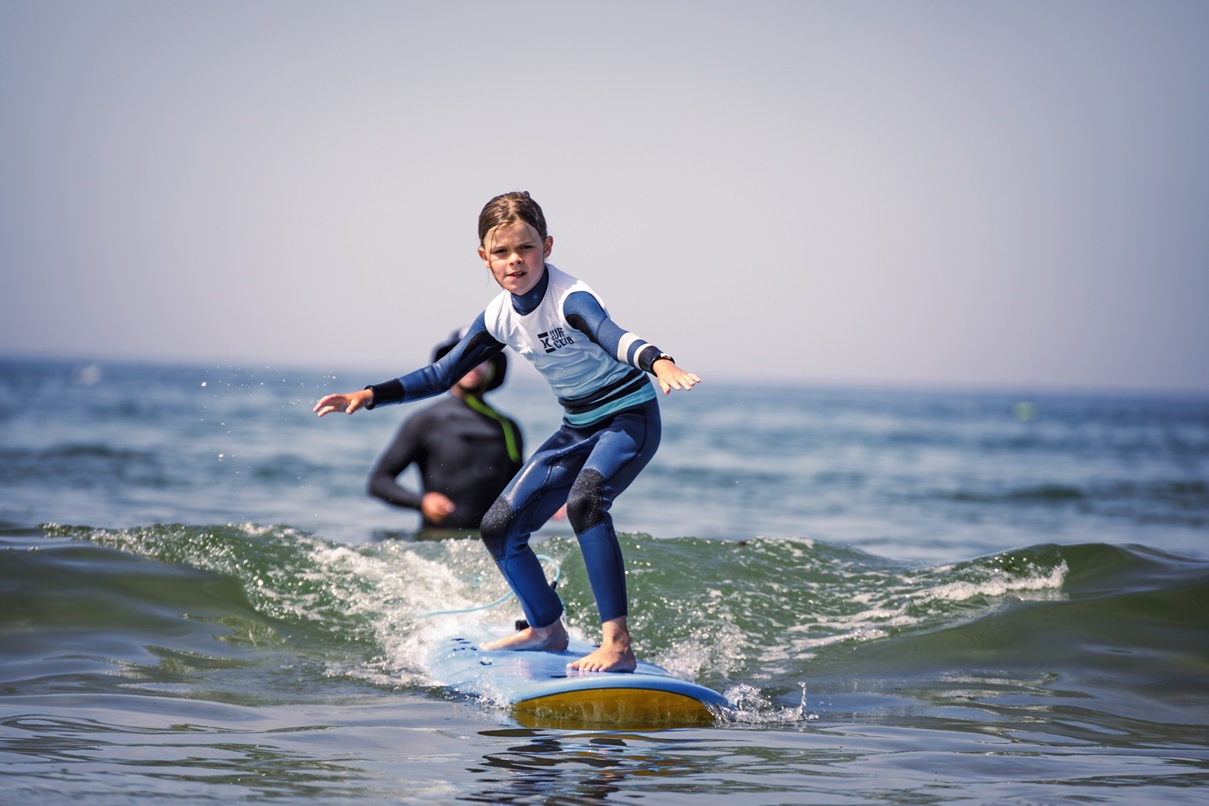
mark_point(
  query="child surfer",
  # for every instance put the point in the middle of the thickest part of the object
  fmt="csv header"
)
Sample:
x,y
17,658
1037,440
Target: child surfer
x,y
610,429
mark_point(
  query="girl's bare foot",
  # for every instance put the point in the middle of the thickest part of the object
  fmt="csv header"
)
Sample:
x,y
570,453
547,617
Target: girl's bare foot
x,y
614,653
551,638
606,659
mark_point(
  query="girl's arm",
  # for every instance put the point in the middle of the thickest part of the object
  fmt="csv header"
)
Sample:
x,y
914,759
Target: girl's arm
x,y
585,314
475,347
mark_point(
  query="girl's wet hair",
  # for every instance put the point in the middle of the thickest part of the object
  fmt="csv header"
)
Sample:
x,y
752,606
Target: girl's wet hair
x,y
507,208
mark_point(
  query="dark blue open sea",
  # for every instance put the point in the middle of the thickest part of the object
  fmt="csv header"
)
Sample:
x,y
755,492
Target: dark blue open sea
x,y
907,597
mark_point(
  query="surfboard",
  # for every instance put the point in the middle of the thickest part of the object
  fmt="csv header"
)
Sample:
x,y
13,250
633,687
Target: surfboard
x,y
541,692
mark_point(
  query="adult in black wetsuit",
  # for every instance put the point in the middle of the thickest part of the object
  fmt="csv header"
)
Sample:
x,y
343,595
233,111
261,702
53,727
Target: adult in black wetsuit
x,y
466,452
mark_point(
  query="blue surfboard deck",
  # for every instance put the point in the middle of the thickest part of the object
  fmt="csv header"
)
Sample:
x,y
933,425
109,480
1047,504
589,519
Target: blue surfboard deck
x,y
541,692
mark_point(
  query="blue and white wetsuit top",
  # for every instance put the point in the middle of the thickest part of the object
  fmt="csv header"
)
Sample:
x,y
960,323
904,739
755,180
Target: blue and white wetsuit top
x,y
594,367
591,372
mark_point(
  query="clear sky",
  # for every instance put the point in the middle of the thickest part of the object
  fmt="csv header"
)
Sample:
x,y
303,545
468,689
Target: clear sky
x,y
1012,193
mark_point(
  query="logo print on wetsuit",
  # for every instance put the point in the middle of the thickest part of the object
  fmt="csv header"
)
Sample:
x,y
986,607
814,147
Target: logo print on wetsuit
x,y
553,339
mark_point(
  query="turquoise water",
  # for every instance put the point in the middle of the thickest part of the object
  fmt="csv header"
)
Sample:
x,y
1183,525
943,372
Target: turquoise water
x,y
906,596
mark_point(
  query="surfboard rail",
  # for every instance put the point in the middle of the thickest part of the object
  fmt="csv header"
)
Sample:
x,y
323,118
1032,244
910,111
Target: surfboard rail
x,y
540,691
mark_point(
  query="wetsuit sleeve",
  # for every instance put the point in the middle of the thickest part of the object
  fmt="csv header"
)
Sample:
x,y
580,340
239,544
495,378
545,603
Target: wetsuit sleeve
x,y
475,347
584,313
406,448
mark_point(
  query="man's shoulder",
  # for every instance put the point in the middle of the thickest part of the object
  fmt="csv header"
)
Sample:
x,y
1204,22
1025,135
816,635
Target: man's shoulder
x,y
440,409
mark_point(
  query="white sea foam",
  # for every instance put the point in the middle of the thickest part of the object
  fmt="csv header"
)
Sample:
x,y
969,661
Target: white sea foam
x,y
894,605
999,584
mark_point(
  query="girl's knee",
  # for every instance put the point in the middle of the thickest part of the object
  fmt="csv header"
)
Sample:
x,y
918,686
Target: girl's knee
x,y
495,526
586,501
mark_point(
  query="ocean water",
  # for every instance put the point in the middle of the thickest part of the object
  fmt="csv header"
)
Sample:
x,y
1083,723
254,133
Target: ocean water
x,y
907,596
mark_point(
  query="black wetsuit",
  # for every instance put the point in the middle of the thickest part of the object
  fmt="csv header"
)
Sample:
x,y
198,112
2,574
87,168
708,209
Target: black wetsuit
x,y
468,455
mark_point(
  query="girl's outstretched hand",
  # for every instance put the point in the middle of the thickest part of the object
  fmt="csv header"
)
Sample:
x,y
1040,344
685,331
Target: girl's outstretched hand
x,y
672,377
347,403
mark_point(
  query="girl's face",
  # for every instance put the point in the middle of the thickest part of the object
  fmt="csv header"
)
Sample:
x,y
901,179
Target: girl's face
x,y
516,256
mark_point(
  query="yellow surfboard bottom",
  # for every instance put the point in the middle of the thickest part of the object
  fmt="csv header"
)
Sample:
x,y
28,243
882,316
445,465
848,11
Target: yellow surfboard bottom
x,y
617,707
